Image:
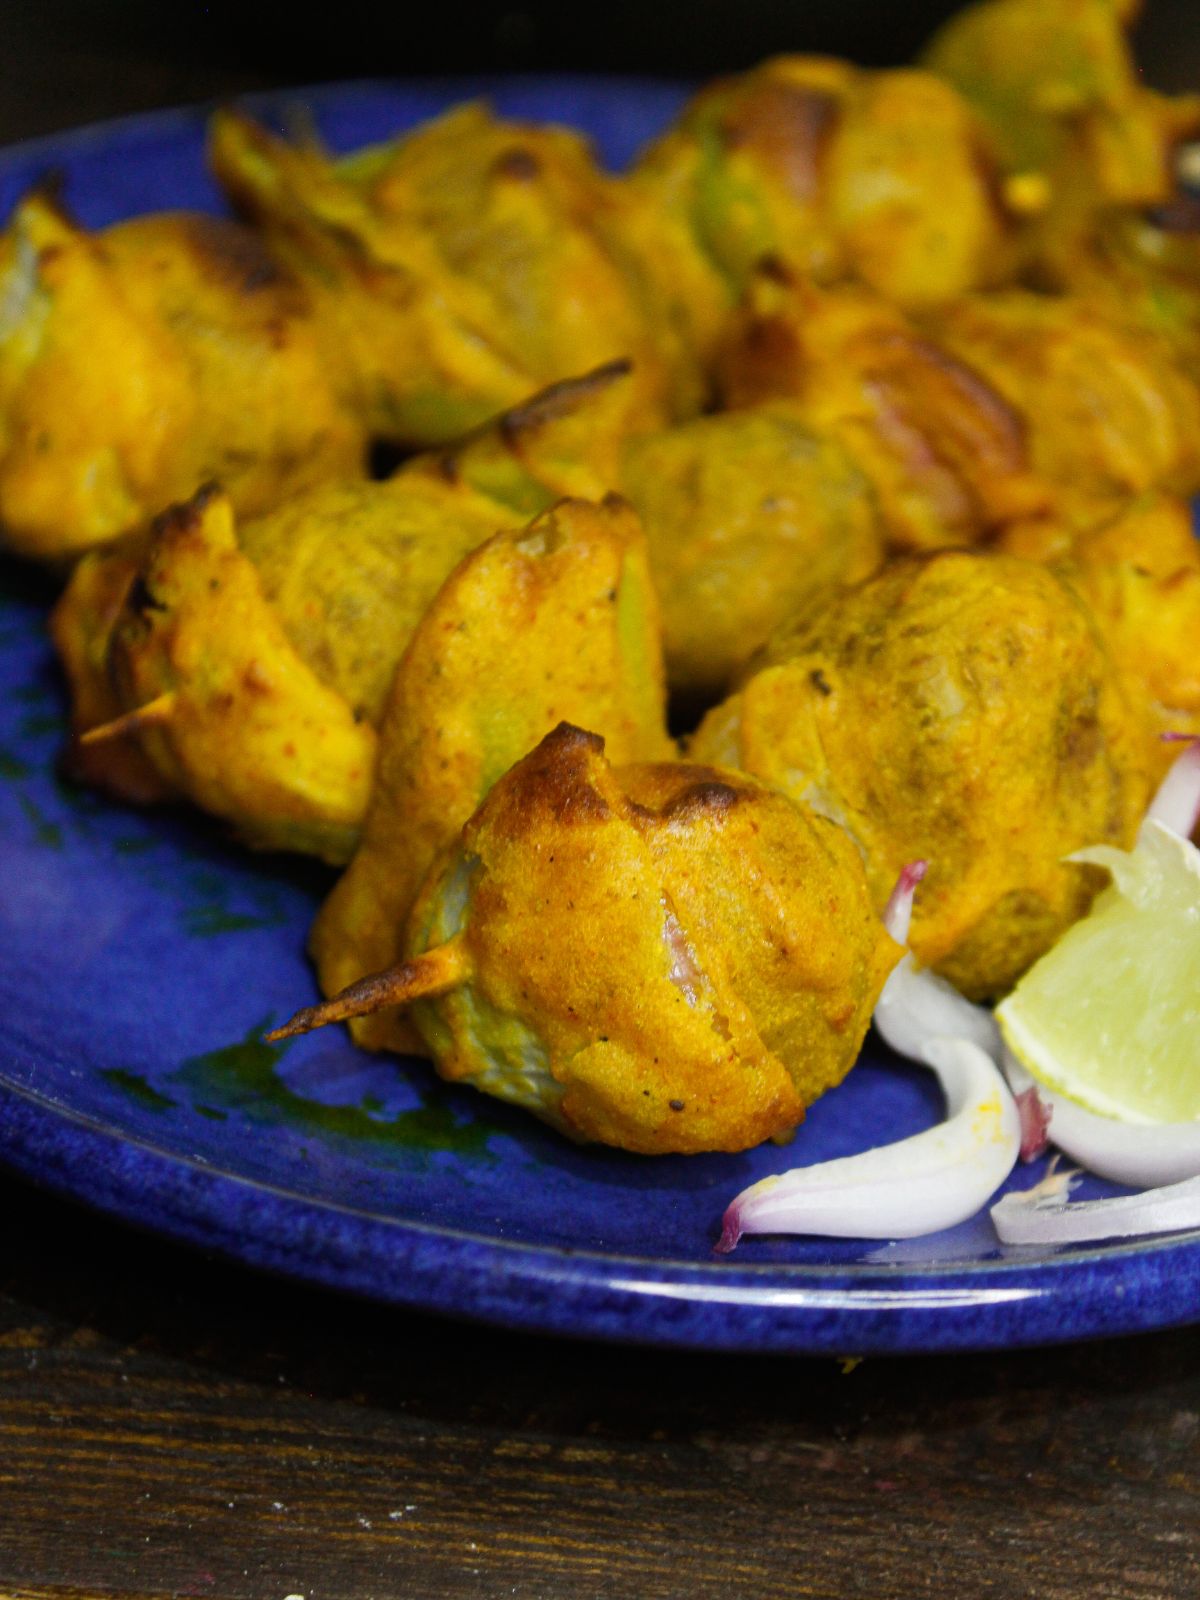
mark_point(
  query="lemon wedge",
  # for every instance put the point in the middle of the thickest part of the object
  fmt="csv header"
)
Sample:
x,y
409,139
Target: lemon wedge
x,y
1110,1018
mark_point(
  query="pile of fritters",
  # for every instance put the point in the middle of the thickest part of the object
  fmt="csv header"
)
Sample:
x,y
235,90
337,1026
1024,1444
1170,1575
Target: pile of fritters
x,y
860,415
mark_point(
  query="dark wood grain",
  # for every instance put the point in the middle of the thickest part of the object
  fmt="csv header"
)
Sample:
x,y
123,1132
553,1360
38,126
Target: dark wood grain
x,y
173,1425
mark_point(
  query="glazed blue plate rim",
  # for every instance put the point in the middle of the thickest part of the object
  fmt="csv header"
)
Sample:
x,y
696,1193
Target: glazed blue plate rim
x,y
779,1308
730,1305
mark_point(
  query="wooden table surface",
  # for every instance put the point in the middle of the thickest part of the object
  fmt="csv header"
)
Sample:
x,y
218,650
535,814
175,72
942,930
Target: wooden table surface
x,y
178,1426
173,1425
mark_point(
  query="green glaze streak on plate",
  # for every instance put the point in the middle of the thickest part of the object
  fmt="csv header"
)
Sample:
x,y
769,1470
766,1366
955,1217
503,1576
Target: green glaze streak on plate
x,y
203,922
134,844
12,766
212,913
137,1089
45,831
36,724
242,1077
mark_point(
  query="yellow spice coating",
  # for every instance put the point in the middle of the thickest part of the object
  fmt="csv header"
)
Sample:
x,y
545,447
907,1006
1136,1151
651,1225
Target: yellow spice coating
x,y
957,708
1109,411
1140,268
663,958
746,514
831,171
142,361
946,454
330,586
556,620
1056,83
81,626
240,724
350,567
461,264
1139,574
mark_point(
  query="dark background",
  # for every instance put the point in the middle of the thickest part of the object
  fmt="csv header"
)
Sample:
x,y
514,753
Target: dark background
x,y
63,60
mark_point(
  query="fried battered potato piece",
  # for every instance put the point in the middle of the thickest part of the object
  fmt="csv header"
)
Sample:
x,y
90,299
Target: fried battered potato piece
x,y
886,176
462,264
959,708
1140,268
81,625
747,514
1108,411
226,709
945,453
665,958
1139,574
1056,83
265,654
556,620
139,362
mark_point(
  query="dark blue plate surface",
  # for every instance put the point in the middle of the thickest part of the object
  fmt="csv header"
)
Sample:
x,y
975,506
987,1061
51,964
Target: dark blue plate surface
x,y
143,957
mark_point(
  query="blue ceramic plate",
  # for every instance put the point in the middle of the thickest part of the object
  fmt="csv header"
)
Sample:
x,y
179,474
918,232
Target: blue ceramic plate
x,y
144,957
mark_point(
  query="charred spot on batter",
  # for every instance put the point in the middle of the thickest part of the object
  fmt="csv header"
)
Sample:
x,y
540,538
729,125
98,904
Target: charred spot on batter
x,y
708,797
774,269
140,601
560,776
1179,215
518,163
186,515
235,254
557,401
980,400
991,180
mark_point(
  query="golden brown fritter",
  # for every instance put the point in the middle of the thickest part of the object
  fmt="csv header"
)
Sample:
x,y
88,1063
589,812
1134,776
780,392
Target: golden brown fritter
x,y
1140,268
1108,411
1139,573
832,171
556,620
250,642
139,362
222,704
665,958
747,514
461,263
958,708
946,454
1057,86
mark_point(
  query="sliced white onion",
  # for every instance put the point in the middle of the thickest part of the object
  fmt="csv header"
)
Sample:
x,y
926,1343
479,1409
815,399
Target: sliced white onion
x,y
1141,1155
923,1184
897,914
1176,803
917,1006
932,1180
1173,1209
